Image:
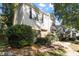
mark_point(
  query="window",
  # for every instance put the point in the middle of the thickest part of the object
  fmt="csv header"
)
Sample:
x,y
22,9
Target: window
x,y
41,17
32,14
36,18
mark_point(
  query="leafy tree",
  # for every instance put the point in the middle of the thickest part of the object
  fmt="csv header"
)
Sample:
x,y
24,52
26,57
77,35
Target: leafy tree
x,y
6,18
9,12
69,13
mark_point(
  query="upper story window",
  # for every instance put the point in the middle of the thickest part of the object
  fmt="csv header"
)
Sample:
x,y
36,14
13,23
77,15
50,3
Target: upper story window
x,y
32,13
41,17
35,16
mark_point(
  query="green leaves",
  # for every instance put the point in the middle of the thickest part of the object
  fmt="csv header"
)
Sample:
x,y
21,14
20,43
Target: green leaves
x,y
20,35
68,12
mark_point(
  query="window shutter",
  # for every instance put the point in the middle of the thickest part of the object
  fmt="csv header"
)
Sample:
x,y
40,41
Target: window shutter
x,y
30,16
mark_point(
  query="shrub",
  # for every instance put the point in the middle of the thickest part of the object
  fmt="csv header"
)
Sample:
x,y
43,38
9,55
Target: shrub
x,y
48,40
42,41
52,37
3,40
20,35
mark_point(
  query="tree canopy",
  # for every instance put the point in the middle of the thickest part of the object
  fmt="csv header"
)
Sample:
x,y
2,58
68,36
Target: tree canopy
x,y
69,13
6,18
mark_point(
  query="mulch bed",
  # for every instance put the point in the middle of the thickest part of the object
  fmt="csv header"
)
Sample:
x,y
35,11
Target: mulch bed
x,y
29,50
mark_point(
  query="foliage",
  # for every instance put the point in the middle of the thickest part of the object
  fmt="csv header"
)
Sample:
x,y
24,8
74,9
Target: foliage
x,y
69,13
3,43
7,16
3,40
57,52
9,12
20,35
52,37
42,41
3,37
48,40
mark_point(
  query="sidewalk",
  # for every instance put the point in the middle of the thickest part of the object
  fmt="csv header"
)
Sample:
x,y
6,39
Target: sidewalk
x,y
69,50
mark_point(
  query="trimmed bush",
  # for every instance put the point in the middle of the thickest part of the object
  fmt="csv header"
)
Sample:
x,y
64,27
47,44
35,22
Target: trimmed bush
x,y
42,41
52,37
20,35
48,40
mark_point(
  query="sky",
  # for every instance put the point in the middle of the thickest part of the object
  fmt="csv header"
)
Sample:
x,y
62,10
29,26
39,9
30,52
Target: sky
x,y
45,7
0,8
57,22
0,11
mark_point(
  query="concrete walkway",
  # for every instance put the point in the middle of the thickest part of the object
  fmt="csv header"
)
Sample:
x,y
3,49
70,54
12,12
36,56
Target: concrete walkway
x,y
70,51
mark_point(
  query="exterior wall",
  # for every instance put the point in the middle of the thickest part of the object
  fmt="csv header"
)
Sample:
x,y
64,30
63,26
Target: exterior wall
x,y
47,22
22,17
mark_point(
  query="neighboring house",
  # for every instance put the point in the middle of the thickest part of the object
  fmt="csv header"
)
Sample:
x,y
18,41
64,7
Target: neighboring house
x,y
27,15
